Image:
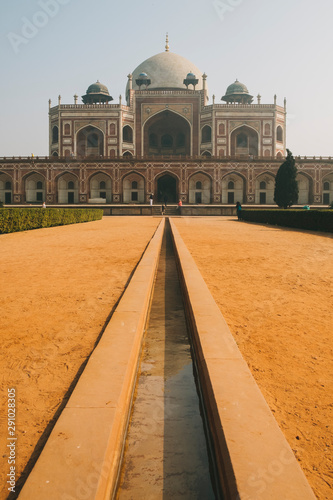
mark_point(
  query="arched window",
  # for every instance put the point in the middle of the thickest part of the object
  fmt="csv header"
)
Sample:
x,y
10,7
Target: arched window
x,y
279,134
127,134
55,135
70,185
127,154
153,140
55,153
134,184
221,129
262,185
231,185
166,141
102,185
206,134
112,129
198,185
67,129
39,185
242,140
267,129
8,185
326,186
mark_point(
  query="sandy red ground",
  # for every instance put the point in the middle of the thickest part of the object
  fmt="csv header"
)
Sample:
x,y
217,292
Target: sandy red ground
x,y
274,288
58,287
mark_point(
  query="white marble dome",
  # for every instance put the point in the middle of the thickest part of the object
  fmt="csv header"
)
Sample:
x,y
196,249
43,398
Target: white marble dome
x,y
166,71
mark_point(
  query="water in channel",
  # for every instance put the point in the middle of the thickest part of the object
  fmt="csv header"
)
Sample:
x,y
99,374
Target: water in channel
x,y
166,452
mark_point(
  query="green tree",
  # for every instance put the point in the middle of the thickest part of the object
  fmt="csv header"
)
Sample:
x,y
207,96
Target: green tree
x,y
286,187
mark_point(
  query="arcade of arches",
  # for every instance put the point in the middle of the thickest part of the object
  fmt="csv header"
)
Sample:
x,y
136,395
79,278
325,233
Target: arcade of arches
x,y
134,188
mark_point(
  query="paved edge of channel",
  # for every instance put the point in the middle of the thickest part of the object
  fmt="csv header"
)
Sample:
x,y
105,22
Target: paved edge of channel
x,y
253,458
83,454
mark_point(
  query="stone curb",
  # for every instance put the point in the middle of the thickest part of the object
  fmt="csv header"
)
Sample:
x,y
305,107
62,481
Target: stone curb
x,y
253,459
82,456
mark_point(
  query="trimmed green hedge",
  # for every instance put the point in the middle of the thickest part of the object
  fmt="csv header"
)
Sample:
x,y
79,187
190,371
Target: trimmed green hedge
x,y
23,219
315,220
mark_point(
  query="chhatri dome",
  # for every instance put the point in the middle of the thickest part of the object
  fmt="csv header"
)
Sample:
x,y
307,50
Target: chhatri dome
x,y
96,92
237,92
166,71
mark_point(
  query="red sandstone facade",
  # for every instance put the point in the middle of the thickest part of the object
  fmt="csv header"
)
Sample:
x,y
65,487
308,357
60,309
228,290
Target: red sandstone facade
x,y
206,180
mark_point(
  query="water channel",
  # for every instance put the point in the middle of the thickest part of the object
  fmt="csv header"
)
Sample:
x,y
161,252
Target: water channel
x,y
166,454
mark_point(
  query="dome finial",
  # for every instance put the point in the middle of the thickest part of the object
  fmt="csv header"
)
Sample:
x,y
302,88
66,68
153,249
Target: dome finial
x,y
167,43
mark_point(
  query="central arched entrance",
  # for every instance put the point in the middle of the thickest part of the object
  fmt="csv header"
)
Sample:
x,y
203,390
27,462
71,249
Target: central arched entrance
x,y
167,189
167,133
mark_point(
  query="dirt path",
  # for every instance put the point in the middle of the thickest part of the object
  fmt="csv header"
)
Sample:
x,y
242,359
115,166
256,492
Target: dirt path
x,y
58,287
274,288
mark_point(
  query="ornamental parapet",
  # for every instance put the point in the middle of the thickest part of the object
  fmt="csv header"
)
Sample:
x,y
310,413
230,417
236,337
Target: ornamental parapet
x,y
244,106
159,158
89,106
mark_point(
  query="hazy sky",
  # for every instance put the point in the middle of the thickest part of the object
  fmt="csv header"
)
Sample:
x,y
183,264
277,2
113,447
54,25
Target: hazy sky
x,y
52,47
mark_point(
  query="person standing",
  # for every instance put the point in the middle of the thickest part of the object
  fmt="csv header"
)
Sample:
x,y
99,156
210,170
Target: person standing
x,y
238,210
180,204
151,199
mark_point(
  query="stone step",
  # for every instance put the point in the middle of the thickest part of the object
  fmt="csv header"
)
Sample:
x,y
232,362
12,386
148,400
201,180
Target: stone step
x,y
171,210
157,209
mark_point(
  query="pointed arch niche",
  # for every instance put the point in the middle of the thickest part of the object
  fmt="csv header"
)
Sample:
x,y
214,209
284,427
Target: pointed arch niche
x,y
6,188
304,189
100,188
244,141
34,188
233,188
133,188
167,133
264,193
328,189
200,189
90,142
68,188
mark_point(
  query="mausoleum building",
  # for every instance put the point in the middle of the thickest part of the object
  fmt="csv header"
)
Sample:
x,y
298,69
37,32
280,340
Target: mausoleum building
x,y
167,137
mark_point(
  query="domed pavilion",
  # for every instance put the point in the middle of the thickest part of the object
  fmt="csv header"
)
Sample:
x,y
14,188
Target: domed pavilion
x,y
97,93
